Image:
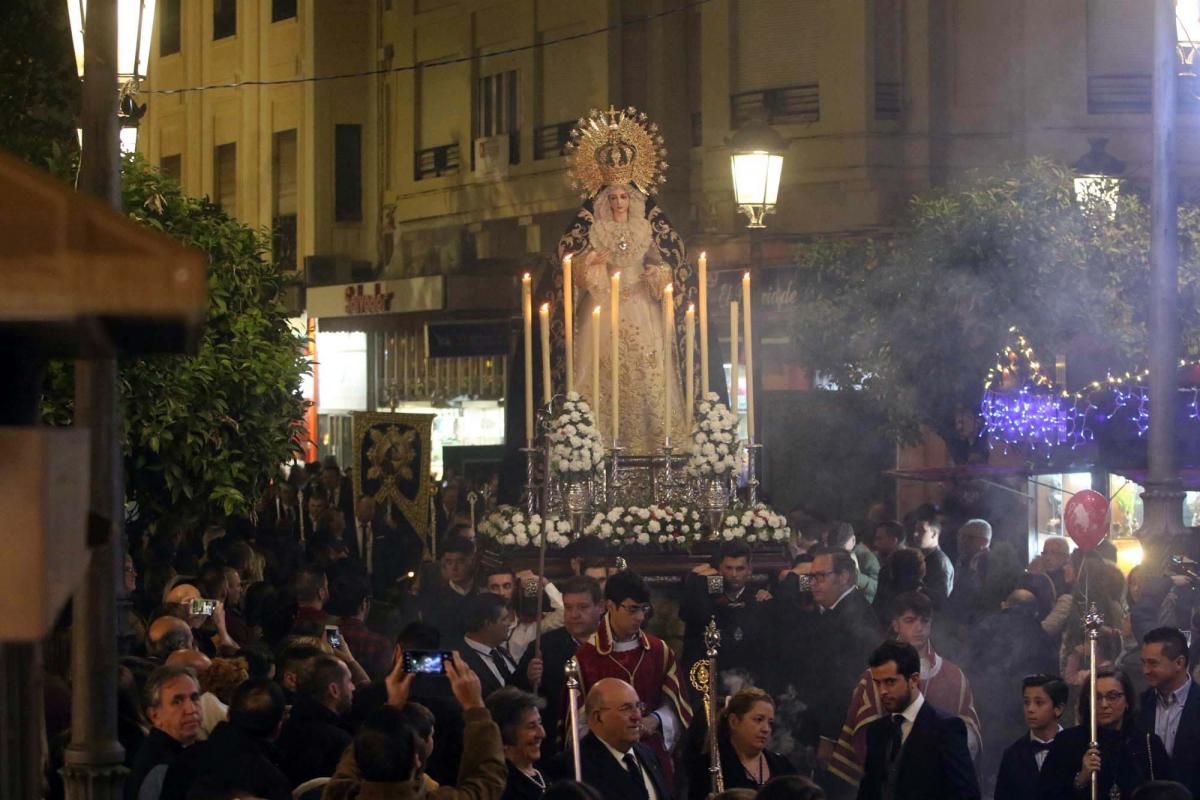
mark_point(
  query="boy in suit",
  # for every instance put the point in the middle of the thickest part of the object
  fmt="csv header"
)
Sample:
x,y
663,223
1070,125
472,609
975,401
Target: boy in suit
x,y
914,751
1045,699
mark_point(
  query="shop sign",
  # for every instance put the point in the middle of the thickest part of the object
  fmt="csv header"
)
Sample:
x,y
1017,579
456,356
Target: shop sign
x,y
359,302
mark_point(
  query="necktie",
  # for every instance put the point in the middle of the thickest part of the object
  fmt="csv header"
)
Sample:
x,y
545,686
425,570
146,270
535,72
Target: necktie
x,y
897,736
635,772
500,659
1040,747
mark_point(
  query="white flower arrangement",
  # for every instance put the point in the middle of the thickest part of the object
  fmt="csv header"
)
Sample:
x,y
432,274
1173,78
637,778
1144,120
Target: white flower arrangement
x,y
510,526
757,524
659,526
715,444
576,450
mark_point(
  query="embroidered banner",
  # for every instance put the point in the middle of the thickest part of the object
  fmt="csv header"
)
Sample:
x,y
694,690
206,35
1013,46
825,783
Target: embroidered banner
x,y
391,464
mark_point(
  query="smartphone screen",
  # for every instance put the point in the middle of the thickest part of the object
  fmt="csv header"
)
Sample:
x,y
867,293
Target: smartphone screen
x,y
426,661
333,635
202,606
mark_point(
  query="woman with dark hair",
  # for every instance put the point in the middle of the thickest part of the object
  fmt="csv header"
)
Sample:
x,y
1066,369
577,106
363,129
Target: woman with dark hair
x,y
743,731
517,715
1127,757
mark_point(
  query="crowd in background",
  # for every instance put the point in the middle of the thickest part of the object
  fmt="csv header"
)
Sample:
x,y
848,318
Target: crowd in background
x,y
280,655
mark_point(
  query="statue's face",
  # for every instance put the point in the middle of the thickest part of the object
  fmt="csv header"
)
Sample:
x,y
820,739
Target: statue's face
x,y
618,201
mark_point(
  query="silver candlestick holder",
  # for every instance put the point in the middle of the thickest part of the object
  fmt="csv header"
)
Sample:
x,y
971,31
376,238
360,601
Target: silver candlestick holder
x,y
665,483
752,483
529,496
614,482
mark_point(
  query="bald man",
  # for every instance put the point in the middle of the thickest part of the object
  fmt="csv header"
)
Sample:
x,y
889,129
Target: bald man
x,y
212,711
215,638
614,762
166,635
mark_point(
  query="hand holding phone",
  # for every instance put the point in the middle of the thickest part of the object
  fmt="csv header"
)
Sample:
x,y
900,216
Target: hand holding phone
x,y
426,662
334,636
202,607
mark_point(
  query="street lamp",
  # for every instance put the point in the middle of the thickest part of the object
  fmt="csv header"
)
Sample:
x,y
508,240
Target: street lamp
x,y
757,163
1098,174
135,24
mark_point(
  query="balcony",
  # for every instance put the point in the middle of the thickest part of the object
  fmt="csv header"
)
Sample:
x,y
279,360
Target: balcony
x,y
783,105
435,162
550,141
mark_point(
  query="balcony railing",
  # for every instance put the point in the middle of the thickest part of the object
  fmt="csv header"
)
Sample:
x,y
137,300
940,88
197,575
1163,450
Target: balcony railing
x,y
887,100
1133,94
550,141
785,104
435,162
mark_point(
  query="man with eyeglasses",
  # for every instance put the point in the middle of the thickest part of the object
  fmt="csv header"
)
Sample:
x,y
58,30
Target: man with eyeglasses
x,y
847,631
613,760
621,649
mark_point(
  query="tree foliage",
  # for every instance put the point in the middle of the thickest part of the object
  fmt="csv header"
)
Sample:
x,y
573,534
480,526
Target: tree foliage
x,y
916,318
205,433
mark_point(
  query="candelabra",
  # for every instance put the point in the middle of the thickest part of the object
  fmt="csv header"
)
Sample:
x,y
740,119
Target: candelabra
x,y
752,451
614,481
667,488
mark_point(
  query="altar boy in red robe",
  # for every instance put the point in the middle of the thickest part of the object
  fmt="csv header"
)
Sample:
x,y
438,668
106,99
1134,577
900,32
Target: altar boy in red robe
x,y
621,649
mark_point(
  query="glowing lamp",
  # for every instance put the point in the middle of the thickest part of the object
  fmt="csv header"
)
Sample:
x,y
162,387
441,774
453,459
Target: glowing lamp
x,y
757,164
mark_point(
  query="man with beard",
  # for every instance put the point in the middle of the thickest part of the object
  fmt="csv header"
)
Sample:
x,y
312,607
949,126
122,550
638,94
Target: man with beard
x,y
315,733
915,751
942,683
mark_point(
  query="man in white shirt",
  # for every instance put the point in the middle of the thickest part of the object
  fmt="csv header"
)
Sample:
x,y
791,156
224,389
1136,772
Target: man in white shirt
x,y
613,761
914,751
1171,706
486,617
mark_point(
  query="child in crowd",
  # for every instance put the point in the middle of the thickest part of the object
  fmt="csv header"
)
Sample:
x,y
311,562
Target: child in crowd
x,y
1045,699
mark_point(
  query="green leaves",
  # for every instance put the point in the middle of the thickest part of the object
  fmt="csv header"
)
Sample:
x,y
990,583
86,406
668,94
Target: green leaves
x,y
917,316
205,433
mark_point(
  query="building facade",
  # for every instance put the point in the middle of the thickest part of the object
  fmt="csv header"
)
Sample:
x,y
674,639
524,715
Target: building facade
x,y
439,154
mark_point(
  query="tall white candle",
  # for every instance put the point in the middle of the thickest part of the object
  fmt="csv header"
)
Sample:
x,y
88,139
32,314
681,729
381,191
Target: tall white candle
x,y
569,320
703,277
595,398
544,312
668,333
527,321
733,356
747,335
614,336
689,353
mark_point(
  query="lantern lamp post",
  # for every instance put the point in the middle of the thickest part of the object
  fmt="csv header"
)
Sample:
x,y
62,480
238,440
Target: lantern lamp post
x,y
757,163
135,26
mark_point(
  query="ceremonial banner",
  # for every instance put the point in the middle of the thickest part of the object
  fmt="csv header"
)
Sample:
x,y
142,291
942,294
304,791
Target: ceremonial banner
x,y
391,464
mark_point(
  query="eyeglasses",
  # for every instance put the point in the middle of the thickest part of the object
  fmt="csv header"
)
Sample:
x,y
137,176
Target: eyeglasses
x,y
821,576
638,608
627,709
1110,697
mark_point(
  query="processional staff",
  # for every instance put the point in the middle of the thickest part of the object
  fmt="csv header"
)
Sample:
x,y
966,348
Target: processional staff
x,y
1092,622
573,682
703,677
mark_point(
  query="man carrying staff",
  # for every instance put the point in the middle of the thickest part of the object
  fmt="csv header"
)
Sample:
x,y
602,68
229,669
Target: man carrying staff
x,y
621,649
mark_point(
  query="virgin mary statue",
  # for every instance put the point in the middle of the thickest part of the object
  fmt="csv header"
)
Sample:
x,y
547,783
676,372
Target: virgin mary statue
x,y
617,163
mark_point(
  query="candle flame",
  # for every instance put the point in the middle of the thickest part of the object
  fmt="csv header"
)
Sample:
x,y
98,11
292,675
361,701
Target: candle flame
x,y
526,278
704,254
545,309
596,310
669,288
691,308
617,275
746,276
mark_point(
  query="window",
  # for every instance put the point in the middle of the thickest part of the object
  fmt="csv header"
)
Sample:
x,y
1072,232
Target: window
x,y
282,9
172,167
496,111
225,178
224,19
168,28
283,198
347,173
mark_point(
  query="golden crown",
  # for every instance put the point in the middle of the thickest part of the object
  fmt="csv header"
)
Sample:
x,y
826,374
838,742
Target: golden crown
x,y
617,146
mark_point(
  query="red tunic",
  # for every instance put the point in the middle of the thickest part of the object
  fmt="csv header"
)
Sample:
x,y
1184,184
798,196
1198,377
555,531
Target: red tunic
x,y
650,669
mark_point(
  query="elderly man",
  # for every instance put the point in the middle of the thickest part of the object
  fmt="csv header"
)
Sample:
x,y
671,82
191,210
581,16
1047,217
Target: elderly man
x,y
212,710
214,639
166,635
1053,563
172,696
614,762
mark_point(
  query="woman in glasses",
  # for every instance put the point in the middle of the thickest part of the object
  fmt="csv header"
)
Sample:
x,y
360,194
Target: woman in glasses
x,y
1126,758
743,731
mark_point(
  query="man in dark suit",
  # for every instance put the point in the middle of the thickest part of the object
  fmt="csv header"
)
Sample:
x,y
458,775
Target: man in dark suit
x,y
846,631
1171,706
613,762
482,647
722,591
914,751
583,606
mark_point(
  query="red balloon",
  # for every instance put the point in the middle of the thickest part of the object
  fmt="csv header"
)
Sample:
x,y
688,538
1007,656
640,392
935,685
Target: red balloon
x,y
1086,518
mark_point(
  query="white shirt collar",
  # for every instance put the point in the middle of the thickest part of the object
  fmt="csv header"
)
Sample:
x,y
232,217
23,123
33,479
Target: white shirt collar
x,y
478,647
1033,738
910,713
617,754
1181,694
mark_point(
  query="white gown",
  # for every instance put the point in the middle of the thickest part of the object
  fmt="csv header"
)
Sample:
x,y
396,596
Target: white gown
x,y
641,375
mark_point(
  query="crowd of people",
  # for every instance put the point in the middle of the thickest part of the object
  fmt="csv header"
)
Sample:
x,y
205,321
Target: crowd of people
x,y
314,650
